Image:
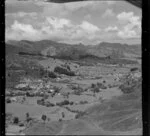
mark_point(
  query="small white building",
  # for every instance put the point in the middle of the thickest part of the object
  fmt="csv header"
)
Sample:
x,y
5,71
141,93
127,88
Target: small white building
x,y
22,85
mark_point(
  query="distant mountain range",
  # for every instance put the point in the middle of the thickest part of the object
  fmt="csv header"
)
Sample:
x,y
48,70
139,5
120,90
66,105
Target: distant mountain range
x,y
51,48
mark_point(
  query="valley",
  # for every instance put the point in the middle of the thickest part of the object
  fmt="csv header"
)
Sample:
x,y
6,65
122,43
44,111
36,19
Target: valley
x,y
60,89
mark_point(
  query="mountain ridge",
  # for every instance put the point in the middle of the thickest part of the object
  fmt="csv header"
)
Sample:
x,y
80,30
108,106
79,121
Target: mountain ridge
x,y
52,48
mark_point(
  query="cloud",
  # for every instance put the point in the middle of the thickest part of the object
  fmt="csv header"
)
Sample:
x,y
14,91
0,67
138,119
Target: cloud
x,y
129,17
87,17
22,14
131,25
108,13
20,31
88,27
58,23
58,29
64,9
111,29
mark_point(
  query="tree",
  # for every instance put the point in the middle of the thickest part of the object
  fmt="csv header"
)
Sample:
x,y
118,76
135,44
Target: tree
x,y
92,85
44,118
27,117
63,114
16,120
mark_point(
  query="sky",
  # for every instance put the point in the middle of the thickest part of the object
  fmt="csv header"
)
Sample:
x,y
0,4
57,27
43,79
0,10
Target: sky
x,y
87,22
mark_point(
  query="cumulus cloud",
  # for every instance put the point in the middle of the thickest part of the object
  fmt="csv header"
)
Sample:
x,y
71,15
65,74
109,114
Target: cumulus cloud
x,y
111,29
108,13
53,28
88,27
129,17
58,23
20,31
132,25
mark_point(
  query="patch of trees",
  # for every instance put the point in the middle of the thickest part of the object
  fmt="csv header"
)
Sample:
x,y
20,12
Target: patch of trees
x,y
83,102
15,120
52,74
27,88
8,100
98,85
65,102
65,71
130,85
80,114
133,69
44,117
45,103
46,73
31,54
95,88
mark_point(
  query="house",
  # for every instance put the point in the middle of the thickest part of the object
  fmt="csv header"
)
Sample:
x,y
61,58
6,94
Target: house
x,y
22,85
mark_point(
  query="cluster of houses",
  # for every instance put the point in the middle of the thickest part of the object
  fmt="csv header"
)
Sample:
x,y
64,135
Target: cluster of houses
x,y
30,87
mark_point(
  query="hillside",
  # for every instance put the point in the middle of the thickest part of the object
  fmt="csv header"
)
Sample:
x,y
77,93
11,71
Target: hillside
x,y
51,48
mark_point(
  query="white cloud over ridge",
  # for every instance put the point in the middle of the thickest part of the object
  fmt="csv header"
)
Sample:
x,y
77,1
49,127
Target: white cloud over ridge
x,y
89,21
52,28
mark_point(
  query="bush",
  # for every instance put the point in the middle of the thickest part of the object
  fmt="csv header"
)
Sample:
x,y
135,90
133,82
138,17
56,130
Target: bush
x,y
48,104
101,86
40,102
133,69
93,85
65,102
83,102
79,114
52,75
104,81
16,120
77,92
64,71
71,103
44,118
8,100
21,124
130,86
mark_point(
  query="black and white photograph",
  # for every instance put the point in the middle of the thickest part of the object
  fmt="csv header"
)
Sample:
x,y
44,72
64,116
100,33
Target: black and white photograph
x,y
73,67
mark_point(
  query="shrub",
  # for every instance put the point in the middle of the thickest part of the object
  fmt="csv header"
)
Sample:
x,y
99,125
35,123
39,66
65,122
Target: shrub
x,y
77,92
8,100
44,118
64,71
28,118
104,81
93,85
83,102
95,90
101,86
60,120
40,102
130,85
71,103
21,124
16,120
79,114
63,114
65,102
133,69
52,75
48,104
